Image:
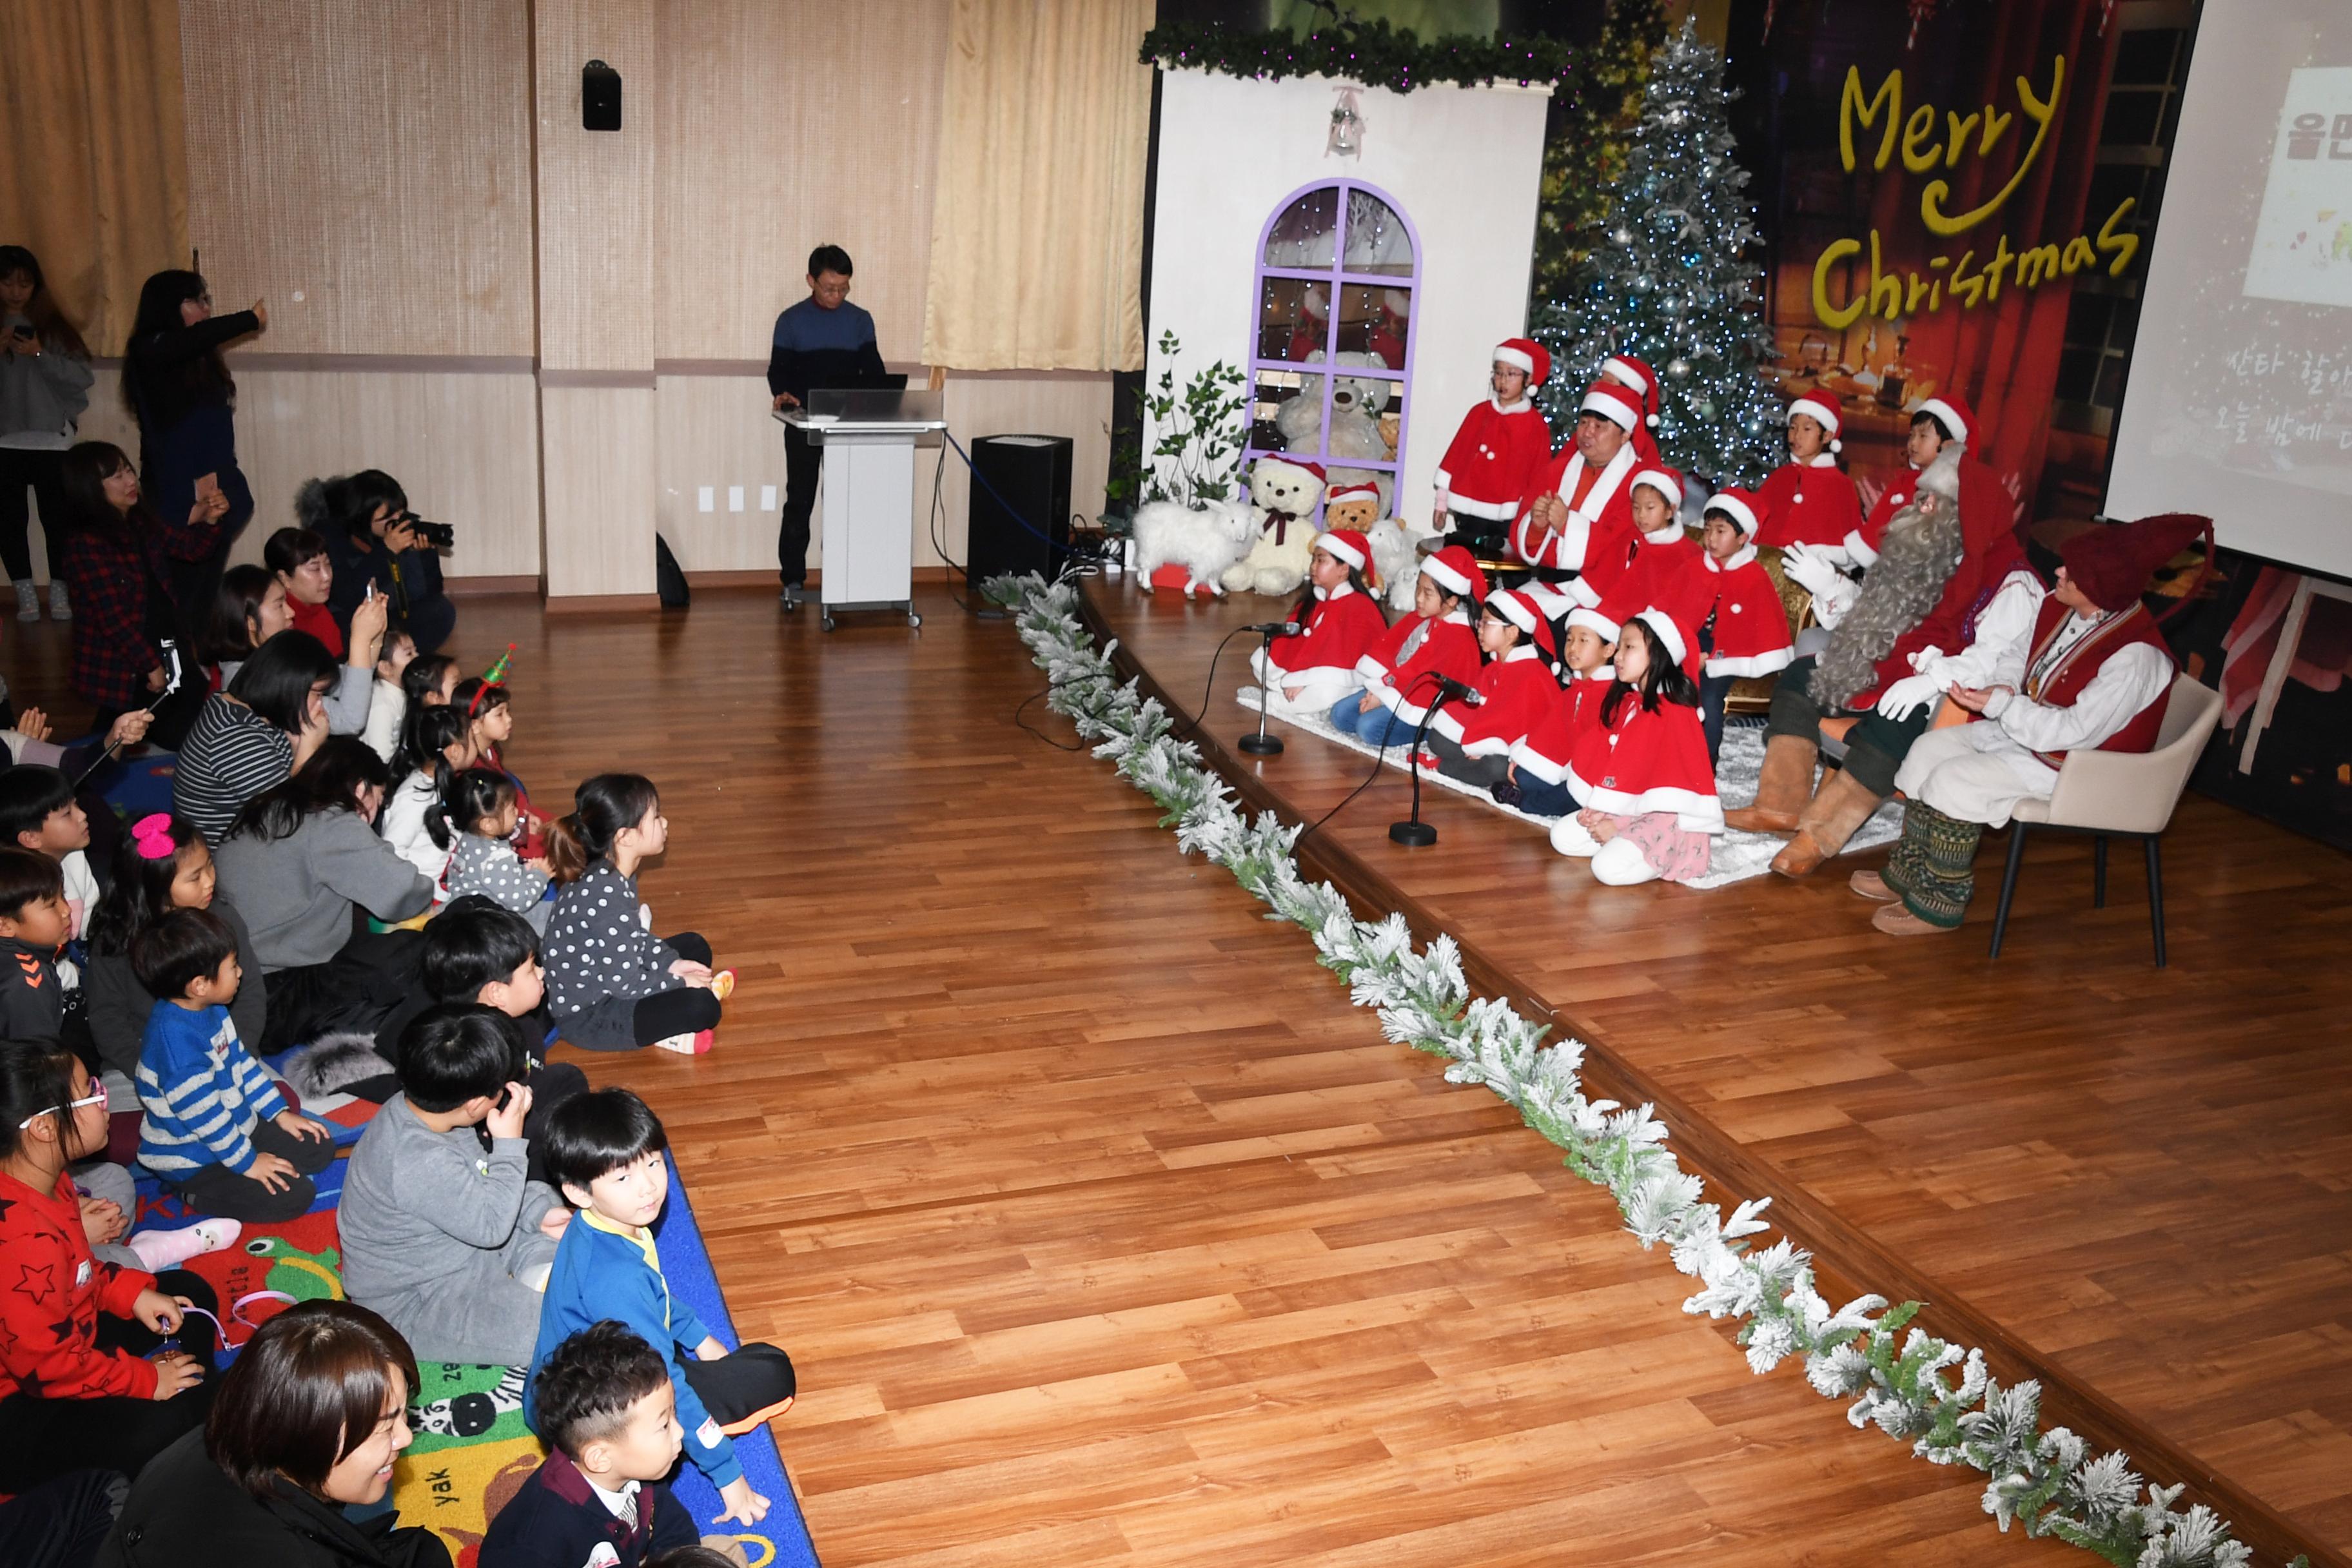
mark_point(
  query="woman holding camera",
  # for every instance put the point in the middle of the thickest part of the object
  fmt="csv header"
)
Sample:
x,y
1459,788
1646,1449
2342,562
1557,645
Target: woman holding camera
x,y
180,389
372,539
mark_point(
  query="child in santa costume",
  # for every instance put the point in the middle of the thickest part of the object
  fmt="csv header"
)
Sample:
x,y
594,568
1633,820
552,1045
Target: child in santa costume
x,y
1400,672
1826,568
1636,377
2098,676
1496,453
1580,506
1536,780
1341,620
1521,678
1656,563
1743,625
1642,775
1809,500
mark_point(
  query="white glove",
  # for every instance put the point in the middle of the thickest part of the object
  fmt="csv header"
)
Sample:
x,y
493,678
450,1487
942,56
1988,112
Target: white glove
x,y
1802,567
1924,661
1836,555
1908,695
1832,603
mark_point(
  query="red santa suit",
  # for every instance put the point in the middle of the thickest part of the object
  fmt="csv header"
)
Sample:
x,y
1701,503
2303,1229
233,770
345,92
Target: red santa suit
x,y
1600,500
1807,503
1643,560
1342,627
1494,457
1648,763
1518,689
1442,646
1575,713
1750,623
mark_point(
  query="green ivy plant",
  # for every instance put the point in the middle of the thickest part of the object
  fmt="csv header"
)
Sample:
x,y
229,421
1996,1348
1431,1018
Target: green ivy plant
x,y
1197,430
1371,53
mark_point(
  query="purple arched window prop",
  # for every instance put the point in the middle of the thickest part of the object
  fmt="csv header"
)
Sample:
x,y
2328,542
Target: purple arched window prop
x,y
1339,270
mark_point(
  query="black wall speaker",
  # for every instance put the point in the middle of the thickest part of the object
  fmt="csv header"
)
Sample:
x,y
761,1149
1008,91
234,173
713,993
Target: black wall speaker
x,y
599,97
1031,475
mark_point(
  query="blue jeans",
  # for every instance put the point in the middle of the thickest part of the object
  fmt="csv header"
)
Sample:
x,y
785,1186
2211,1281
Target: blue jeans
x,y
1712,691
1375,724
1537,798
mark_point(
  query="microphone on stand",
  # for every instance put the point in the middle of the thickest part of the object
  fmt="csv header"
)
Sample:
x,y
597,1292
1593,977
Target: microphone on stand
x,y
1468,696
1258,744
1412,831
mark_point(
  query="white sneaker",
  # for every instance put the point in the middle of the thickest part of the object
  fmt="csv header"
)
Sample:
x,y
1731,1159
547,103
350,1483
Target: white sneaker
x,y
29,600
693,1044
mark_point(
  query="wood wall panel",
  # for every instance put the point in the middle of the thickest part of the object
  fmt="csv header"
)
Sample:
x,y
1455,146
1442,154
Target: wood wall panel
x,y
598,445
375,159
715,430
595,189
784,124
464,446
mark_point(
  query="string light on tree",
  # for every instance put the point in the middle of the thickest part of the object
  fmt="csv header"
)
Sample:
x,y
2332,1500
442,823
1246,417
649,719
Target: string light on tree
x,y
1674,285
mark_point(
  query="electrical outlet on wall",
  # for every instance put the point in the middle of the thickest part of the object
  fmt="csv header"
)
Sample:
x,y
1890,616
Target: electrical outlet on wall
x,y
767,497
734,497
706,499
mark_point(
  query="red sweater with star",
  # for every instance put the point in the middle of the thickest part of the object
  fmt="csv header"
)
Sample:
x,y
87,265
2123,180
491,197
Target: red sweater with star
x,y
1807,503
51,1292
1493,457
1518,688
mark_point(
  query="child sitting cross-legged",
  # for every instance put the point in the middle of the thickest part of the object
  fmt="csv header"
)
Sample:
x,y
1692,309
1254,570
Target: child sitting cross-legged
x,y
1402,673
1537,781
216,1127
609,1413
483,809
613,985
1339,622
605,1151
1517,686
443,1231
1642,775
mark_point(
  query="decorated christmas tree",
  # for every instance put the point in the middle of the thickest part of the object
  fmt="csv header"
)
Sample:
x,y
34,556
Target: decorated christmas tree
x,y
1671,283
1594,111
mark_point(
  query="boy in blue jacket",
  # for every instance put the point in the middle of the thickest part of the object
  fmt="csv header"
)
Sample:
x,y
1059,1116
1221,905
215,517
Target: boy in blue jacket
x,y
604,1152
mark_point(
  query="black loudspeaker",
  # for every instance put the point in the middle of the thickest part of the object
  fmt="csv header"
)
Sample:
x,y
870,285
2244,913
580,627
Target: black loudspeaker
x,y
1031,476
599,97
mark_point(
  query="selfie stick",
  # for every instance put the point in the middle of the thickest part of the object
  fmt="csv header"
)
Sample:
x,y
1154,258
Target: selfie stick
x,y
174,668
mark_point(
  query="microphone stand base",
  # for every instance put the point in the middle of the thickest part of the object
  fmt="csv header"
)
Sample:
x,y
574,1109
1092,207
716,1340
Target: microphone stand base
x,y
1258,745
1417,834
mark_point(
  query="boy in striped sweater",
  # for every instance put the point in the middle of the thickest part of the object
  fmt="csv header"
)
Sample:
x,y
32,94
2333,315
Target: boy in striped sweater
x,y
215,1126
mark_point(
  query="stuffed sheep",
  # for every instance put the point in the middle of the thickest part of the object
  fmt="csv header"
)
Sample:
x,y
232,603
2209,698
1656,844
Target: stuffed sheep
x,y
1205,543
1283,493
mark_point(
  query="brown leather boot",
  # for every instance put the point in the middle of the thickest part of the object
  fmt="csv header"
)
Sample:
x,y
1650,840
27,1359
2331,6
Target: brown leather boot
x,y
1841,807
1782,790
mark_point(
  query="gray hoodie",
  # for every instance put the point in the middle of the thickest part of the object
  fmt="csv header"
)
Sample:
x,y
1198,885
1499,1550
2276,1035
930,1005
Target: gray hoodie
x,y
296,893
41,396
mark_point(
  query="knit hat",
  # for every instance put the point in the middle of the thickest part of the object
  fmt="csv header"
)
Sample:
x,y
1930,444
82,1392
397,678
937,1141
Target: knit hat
x,y
1661,478
1953,413
1455,570
1596,623
1613,403
1528,355
1522,612
1628,372
1347,545
2112,565
1739,506
1822,410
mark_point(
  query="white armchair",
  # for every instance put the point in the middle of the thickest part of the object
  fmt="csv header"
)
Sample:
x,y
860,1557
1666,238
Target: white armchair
x,y
2120,794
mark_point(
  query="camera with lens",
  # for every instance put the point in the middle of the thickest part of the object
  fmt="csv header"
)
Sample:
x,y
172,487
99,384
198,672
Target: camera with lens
x,y
433,535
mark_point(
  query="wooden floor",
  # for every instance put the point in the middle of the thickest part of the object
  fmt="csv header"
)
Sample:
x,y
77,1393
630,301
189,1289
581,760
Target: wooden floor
x,y
1104,1230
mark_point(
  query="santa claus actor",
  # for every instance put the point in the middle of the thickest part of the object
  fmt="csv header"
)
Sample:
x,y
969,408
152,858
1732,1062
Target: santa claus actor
x,y
1581,505
1496,453
2098,678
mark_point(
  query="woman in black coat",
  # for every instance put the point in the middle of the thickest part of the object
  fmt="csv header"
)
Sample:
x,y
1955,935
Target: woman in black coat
x,y
308,1420
186,403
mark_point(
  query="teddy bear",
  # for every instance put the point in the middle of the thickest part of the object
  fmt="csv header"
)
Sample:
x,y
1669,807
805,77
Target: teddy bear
x,y
1396,556
1354,504
1357,404
1204,544
1283,493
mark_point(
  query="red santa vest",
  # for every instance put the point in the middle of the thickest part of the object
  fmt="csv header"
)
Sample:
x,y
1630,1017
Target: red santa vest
x,y
1807,504
1551,744
1518,688
2056,679
1341,629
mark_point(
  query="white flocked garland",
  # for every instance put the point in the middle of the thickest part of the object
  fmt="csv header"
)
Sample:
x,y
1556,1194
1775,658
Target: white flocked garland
x,y
2047,1481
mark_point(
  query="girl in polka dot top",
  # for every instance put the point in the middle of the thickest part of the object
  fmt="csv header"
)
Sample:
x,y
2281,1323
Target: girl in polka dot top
x,y
612,985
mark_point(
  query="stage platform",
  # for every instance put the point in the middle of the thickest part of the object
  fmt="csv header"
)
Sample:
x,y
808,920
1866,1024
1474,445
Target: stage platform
x,y
2132,1184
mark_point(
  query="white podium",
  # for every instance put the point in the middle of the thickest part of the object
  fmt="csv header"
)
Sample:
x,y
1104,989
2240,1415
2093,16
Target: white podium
x,y
870,440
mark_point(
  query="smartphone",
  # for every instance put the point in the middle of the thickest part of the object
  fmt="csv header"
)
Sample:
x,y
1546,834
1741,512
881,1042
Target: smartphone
x,y
22,330
371,590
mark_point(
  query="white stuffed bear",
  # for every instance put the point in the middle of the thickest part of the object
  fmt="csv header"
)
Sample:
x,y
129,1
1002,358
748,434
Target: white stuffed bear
x,y
1204,542
1357,402
1396,555
1283,493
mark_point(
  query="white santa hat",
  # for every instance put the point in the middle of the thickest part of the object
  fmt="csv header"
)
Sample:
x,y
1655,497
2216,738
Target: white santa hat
x,y
1522,612
1596,623
1955,416
1347,544
1351,490
1670,636
1396,301
1527,354
1613,403
1824,412
1736,504
1663,479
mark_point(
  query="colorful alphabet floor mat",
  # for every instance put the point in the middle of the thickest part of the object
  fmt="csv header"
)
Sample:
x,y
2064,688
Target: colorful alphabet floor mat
x,y
472,1450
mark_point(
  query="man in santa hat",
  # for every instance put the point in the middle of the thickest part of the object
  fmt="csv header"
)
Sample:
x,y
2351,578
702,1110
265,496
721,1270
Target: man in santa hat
x,y
1496,453
1636,377
1923,569
2098,678
1581,503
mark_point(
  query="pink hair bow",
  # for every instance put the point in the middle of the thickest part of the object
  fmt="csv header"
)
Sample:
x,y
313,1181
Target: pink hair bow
x,y
152,836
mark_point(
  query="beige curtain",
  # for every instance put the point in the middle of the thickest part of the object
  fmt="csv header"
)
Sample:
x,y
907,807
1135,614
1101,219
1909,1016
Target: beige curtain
x,y
90,125
1037,225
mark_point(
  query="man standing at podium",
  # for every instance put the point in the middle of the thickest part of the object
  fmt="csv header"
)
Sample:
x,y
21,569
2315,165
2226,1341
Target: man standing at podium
x,y
822,342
